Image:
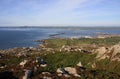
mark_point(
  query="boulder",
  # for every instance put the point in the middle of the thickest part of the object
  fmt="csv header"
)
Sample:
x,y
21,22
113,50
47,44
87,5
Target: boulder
x,y
113,52
28,74
79,49
62,72
43,65
65,48
2,65
100,52
23,63
41,62
72,71
45,77
38,59
93,65
48,73
59,74
79,64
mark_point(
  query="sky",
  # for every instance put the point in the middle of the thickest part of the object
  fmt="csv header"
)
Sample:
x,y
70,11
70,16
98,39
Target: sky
x,y
59,12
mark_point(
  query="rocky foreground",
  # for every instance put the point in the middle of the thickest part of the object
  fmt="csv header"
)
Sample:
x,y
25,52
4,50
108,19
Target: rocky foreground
x,y
86,58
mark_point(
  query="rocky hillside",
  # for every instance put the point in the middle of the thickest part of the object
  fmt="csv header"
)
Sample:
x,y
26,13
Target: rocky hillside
x,y
112,53
63,59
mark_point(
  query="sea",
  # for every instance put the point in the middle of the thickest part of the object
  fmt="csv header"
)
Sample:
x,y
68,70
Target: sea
x,y
11,37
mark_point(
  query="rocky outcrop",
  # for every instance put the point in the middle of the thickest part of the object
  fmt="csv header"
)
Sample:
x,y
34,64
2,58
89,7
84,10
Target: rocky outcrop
x,y
67,48
23,63
93,65
113,52
62,72
100,52
72,71
79,64
28,74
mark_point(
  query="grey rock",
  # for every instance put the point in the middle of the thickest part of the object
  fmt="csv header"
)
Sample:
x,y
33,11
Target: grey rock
x,y
28,74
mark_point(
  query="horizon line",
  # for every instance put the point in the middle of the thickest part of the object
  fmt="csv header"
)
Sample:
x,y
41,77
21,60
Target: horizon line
x,y
60,26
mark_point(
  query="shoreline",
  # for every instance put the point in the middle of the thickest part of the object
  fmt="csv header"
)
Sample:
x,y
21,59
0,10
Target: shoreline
x,y
55,57
56,36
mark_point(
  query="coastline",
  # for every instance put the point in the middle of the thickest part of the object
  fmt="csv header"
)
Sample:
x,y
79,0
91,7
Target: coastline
x,y
57,52
25,36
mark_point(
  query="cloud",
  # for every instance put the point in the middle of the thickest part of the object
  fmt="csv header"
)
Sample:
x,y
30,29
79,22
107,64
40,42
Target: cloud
x,y
58,12
47,7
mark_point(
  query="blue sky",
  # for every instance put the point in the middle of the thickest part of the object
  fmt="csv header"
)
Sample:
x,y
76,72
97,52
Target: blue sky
x,y
60,12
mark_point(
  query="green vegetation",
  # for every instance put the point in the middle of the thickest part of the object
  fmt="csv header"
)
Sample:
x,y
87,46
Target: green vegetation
x,y
104,69
111,66
11,60
55,43
61,60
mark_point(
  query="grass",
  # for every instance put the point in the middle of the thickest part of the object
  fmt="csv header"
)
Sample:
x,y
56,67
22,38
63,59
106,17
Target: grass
x,y
61,60
111,66
10,60
104,68
56,43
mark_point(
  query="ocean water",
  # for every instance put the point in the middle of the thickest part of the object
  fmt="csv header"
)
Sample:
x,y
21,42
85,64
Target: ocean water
x,y
26,37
